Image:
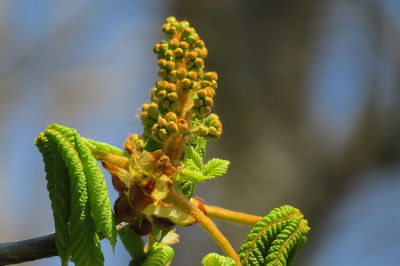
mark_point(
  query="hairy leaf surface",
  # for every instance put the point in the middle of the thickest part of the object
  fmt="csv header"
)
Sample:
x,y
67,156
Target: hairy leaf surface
x,y
275,239
158,256
58,187
133,243
214,259
78,192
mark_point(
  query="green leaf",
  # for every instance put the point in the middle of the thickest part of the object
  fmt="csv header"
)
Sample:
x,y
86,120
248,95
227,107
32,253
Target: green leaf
x,y
199,144
78,192
190,175
84,242
215,167
214,259
187,188
58,187
133,243
275,239
99,201
193,159
158,256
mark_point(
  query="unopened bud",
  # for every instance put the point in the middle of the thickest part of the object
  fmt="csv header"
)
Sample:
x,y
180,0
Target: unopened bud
x,y
198,62
184,45
186,83
172,127
191,55
172,96
170,65
171,116
182,125
202,93
162,134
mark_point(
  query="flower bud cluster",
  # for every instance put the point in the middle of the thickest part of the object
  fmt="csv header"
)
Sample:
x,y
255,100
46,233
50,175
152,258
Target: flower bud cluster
x,y
185,91
210,128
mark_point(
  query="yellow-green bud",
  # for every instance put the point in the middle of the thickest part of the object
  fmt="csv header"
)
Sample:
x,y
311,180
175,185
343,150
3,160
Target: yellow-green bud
x,y
145,107
171,116
172,96
162,134
199,63
192,75
205,83
212,131
178,52
162,63
191,55
210,92
170,65
181,72
172,127
209,101
186,83
170,19
193,37
203,131
210,76
169,54
202,93
174,43
162,94
184,45
162,122
182,125
199,44
171,87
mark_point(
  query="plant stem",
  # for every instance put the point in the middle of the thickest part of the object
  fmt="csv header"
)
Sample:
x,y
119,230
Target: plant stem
x,y
179,200
228,215
32,249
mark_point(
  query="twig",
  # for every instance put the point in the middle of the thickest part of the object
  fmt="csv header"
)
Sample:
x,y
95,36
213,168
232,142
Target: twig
x,y
28,250
32,249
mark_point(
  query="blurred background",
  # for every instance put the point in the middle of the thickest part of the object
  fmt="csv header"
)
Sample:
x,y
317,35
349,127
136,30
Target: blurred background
x,y
309,96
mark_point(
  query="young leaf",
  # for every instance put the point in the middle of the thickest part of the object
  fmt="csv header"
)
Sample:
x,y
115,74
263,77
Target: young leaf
x,y
215,167
58,187
99,201
275,239
214,259
187,188
193,158
84,242
158,256
191,175
199,144
133,243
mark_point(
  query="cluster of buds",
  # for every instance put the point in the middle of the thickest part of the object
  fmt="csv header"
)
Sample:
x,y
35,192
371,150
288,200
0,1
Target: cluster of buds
x,y
183,99
180,109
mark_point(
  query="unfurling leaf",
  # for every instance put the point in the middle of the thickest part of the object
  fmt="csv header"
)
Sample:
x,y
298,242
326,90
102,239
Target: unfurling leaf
x,y
214,259
133,243
275,239
157,256
78,192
